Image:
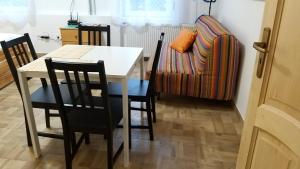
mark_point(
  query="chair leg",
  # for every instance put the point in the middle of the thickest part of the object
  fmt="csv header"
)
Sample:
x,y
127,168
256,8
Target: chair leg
x,y
86,138
109,150
67,146
153,108
29,142
158,95
47,118
149,118
73,141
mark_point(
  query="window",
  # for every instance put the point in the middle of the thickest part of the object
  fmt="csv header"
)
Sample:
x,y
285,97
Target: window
x,y
153,12
16,12
9,4
153,8
12,2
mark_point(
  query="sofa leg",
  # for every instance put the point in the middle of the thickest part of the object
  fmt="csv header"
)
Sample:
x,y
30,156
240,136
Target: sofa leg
x,y
158,95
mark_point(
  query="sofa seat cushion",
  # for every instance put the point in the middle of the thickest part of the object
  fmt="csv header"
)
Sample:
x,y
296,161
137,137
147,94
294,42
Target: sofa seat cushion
x,y
178,73
172,61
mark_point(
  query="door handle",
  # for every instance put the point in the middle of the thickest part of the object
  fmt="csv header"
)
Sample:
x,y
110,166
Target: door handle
x,y
262,47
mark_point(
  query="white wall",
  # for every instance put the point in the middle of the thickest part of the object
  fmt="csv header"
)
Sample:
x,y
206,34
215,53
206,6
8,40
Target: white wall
x,y
243,18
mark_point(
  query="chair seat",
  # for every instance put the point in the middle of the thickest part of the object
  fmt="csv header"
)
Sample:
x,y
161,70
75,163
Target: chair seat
x,y
85,120
44,96
137,89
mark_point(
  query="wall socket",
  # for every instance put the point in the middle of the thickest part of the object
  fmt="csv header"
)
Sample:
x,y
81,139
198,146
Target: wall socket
x,y
44,37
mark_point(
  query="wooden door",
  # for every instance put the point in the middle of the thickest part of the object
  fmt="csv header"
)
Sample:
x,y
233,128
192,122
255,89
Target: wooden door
x,y
271,135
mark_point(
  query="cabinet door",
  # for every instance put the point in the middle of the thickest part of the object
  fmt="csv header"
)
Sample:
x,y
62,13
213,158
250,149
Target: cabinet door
x,y
70,36
271,135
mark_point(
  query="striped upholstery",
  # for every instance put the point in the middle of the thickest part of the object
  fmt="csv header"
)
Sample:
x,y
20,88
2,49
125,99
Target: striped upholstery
x,y
209,70
177,73
208,30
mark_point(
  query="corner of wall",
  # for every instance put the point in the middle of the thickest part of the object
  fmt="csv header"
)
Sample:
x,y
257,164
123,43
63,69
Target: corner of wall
x,y
243,18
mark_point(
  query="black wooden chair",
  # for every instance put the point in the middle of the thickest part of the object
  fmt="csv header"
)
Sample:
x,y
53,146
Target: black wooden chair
x,y
141,91
94,34
17,55
92,112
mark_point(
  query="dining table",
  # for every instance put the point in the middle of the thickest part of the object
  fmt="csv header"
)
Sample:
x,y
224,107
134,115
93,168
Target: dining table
x,y
119,65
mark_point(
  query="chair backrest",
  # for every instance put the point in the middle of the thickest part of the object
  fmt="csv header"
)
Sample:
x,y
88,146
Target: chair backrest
x,y
78,74
151,87
19,52
94,34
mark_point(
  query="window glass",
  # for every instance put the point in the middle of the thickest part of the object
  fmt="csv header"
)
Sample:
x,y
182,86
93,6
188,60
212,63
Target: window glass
x,y
12,3
136,8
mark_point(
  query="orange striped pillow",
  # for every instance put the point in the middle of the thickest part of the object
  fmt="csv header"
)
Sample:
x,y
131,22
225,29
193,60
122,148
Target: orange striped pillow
x,y
184,40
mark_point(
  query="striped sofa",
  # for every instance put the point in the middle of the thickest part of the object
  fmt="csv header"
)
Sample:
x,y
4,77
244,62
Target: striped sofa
x,y
208,70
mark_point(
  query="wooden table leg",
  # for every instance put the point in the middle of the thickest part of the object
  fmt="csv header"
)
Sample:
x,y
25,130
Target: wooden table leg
x,y
29,114
142,105
142,66
125,121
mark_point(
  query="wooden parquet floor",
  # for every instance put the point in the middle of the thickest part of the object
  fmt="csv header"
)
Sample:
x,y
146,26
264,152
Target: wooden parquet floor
x,y
189,134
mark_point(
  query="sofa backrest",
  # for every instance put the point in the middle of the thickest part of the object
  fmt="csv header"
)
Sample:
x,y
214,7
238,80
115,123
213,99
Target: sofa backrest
x,y
221,50
208,29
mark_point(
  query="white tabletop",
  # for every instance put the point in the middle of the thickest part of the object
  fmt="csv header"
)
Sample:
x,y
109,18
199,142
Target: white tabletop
x,y
118,61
